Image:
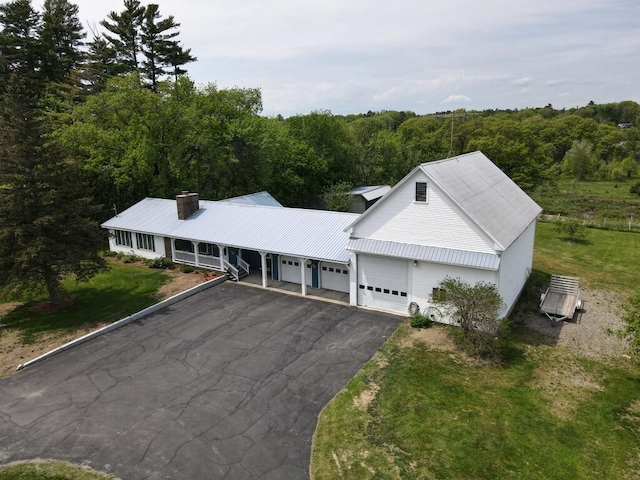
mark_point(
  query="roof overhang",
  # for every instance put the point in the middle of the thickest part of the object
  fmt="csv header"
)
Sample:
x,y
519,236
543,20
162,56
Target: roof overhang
x,y
447,256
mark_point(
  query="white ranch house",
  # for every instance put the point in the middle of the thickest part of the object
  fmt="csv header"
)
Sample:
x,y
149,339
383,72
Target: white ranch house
x,y
460,217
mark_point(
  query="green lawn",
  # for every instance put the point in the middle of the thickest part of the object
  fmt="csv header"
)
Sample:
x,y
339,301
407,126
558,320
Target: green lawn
x,y
48,470
606,259
543,414
436,415
107,297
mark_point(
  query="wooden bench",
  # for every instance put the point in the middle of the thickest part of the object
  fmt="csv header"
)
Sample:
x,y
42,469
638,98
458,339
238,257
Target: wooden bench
x,y
562,298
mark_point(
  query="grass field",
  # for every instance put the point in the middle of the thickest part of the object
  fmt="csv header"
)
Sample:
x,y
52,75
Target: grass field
x,y
107,297
606,259
602,203
436,415
418,411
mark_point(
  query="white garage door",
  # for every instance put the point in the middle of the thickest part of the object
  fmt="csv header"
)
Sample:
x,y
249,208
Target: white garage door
x,y
334,276
290,270
383,283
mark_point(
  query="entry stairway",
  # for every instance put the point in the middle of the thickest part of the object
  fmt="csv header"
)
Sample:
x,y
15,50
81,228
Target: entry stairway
x,y
236,273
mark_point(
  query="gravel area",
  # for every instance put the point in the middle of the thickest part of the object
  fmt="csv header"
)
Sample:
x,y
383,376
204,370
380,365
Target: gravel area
x,y
587,334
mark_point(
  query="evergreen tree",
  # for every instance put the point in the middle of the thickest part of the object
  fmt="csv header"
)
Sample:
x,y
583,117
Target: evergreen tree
x,y
20,50
46,231
61,35
157,43
100,64
125,30
177,58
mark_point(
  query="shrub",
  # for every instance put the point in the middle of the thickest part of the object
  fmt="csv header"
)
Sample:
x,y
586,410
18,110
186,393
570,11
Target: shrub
x,y
420,321
161,262
109,253
475,307
635,189
573,228
128,258
186,268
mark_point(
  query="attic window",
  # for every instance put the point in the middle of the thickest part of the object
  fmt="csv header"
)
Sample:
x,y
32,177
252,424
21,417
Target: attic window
x,y
421,192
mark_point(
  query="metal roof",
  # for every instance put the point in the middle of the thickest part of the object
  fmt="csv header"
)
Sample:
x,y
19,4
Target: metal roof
x,y
487,261
370,192
316,234
264,199
486,194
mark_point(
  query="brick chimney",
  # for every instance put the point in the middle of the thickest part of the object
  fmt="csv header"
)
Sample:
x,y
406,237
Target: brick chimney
x,y
188,204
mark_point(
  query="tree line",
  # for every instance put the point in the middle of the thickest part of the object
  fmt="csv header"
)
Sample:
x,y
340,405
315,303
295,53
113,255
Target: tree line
x,y
88,124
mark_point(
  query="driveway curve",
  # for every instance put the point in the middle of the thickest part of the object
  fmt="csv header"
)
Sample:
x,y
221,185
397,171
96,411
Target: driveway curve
x,y
226,384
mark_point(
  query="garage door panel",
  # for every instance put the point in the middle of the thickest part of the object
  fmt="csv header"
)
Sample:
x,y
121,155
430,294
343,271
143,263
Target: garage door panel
x,y
383,283
334,276
290,270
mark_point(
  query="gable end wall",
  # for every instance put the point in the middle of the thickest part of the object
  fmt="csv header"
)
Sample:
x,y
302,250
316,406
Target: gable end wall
x,y
439,222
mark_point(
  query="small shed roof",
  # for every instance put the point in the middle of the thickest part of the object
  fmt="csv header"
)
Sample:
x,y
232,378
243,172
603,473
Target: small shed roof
x,y
264,199
316,234
464,258
370,192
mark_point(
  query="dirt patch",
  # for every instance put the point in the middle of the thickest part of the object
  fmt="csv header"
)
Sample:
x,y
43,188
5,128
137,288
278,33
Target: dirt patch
x,y
13,352
362,401
434,337
588,334
179,282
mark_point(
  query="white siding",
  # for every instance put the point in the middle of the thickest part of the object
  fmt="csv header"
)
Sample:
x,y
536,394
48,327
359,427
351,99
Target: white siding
x,y
438,222
159,247
515,266
426,276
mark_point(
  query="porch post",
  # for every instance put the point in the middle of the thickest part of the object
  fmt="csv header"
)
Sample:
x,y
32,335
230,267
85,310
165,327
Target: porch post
x,y
353,280
221,253
263,265
173,249
303,274
195,251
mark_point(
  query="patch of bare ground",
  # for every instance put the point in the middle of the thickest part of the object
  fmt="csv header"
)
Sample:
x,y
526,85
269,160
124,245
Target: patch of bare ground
x,y
434,337
179,282
589,333
13,352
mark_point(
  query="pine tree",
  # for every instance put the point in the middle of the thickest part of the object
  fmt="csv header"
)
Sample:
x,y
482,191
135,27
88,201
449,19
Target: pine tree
x,y
125,27
156,43
61,35
100,64
177,58
46,230
19,45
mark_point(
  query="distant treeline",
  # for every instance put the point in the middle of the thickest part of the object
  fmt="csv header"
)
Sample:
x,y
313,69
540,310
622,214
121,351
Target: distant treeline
x,y
133,142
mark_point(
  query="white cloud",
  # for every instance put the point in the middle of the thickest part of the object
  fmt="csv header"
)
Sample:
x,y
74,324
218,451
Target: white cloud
x,y
457,99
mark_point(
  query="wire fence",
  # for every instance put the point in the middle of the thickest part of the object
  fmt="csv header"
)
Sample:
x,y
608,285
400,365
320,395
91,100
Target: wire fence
x,y
617,224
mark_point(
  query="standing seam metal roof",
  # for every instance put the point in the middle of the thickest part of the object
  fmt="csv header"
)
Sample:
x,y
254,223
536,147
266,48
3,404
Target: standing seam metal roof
x,y
486,194
316,234
487,261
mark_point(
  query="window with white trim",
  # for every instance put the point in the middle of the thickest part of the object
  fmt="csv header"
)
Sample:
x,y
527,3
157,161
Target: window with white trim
x,y
421,192
145,242
123,238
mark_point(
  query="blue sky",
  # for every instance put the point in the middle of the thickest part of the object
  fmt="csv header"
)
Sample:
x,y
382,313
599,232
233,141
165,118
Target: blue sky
x,y
351,56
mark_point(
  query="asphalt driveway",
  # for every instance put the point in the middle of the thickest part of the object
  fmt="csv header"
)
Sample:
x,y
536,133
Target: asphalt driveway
x,y
226,384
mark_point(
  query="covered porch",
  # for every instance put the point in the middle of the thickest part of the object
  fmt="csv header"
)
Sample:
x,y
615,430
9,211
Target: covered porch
x,y
255,279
